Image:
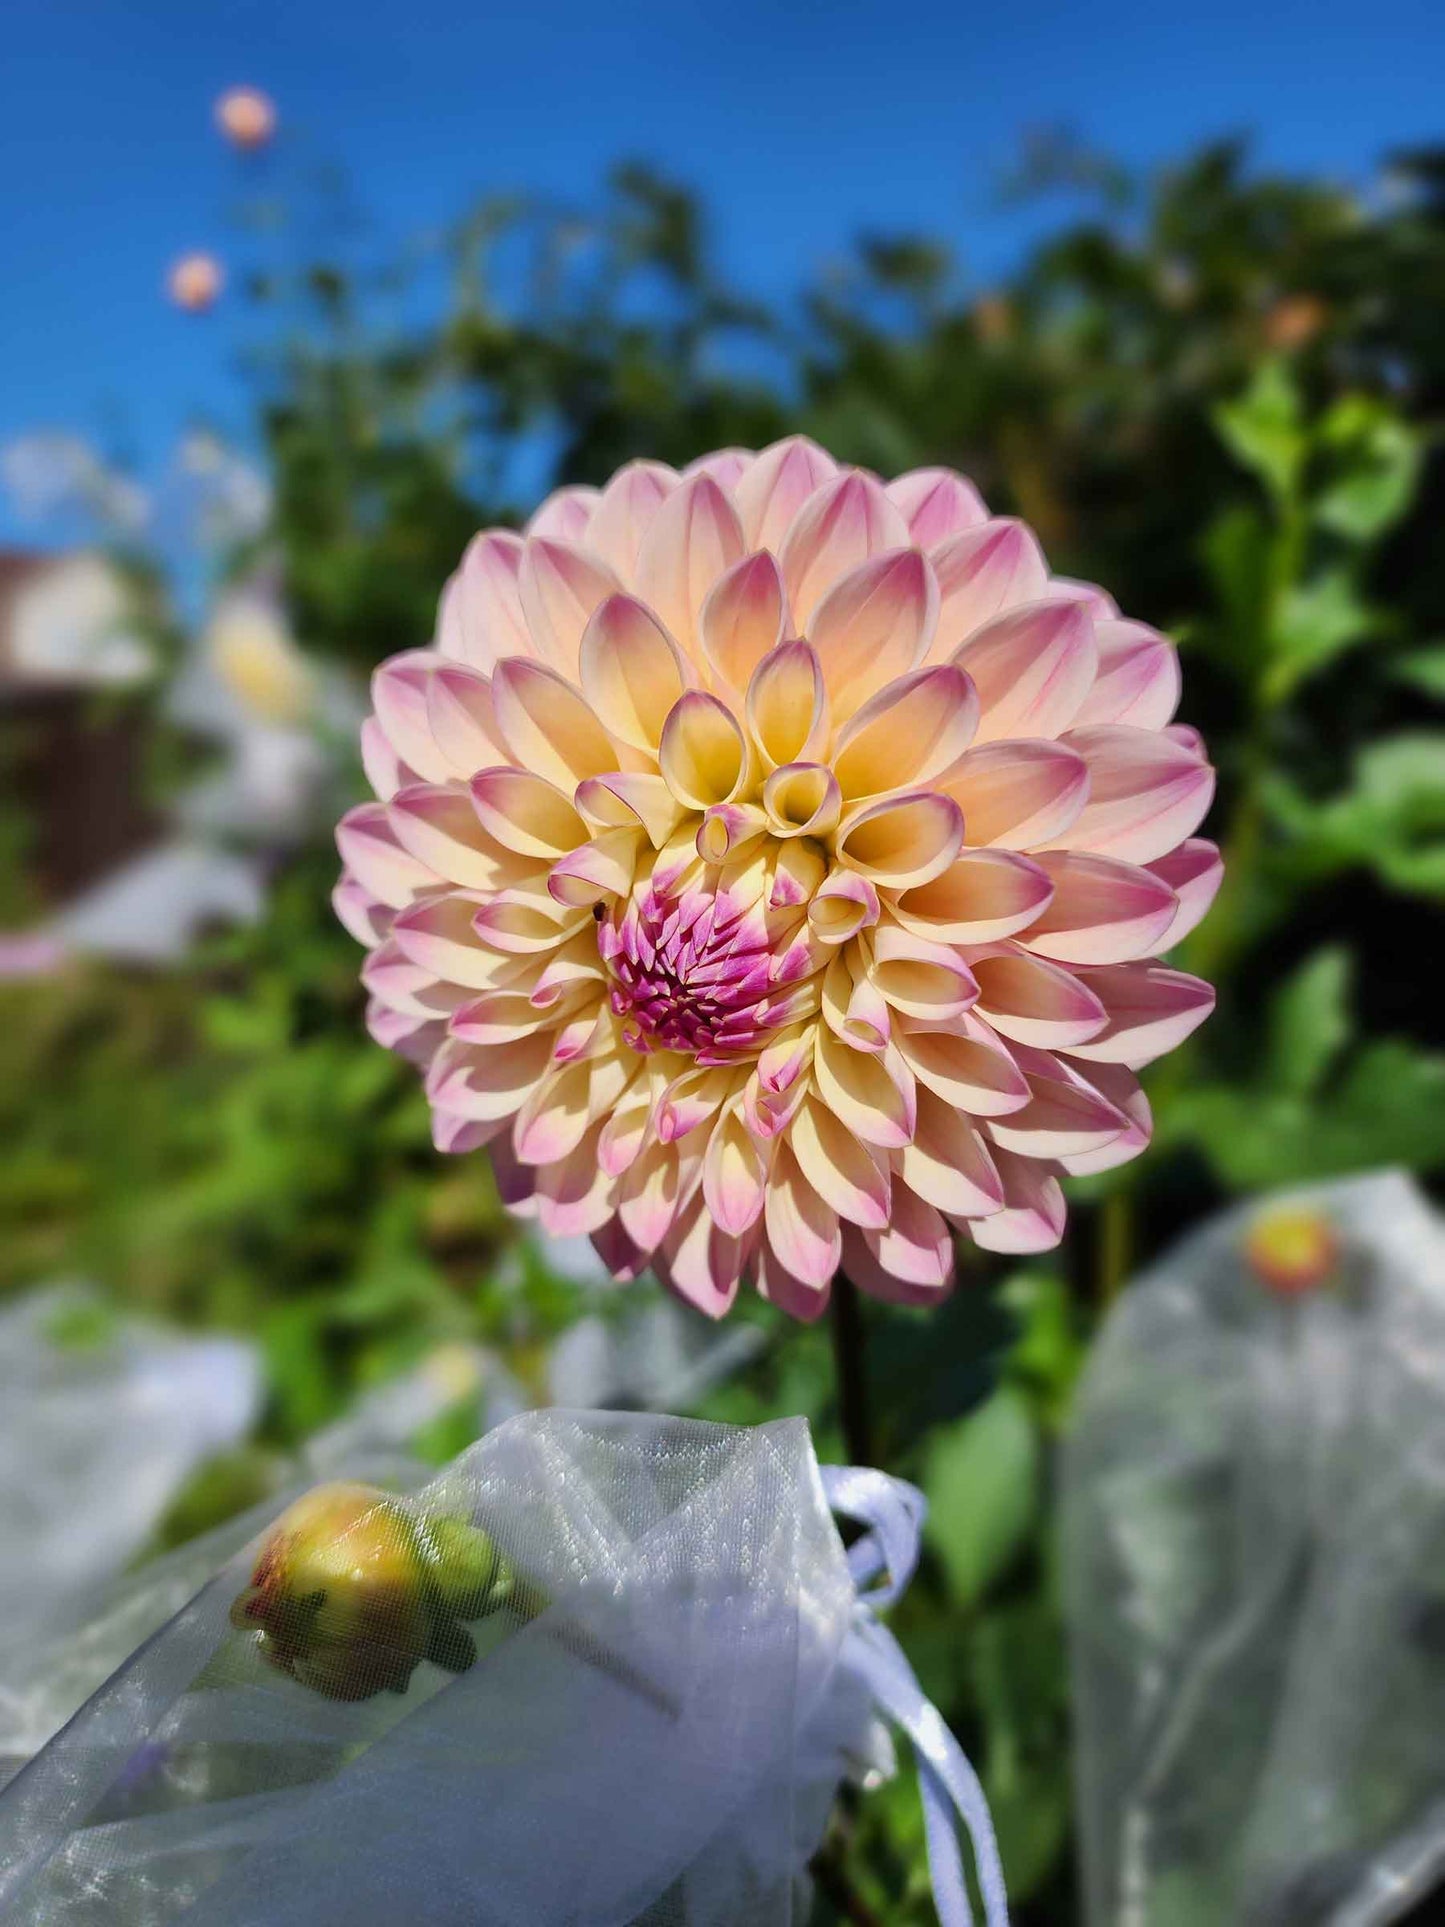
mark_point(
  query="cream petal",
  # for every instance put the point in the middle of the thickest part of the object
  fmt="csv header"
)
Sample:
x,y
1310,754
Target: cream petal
x,y
548,726
1032,667
462,719
985,895
399,697
1194,873
1065,1117
625,512
1034,1213
913,1253
560,586
528,918
842,906
404,987
787,706
481,616
695,537
802,1229
553,1118
648,1195
902,841
605,867
526,813
499,1017
1102,912
566,515
439,934
874,625
799,868
453,1136
742,619
631,671
968,1068
699,1263
845,1175
1033,1002
624,799
801,799
924,980
907,733
1120,1086
948,1164
362,915
727,466
440,828
734,1175
573,1195
385,771
704,756
417,1039
483,1084
625,1132
981,572
618,1253
1018,795
777,484
1149,1011
872,1093
1146,793
853,1009
371,851
936,503
728,829
843,524
1138,680
779,1287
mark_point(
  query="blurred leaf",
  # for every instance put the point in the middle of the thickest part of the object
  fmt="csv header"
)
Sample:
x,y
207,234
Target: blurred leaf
x,y
1265,429
1309,1023
1380,460
982,1481
1237,553
1390,820
1425,670
1021,1681
1317,621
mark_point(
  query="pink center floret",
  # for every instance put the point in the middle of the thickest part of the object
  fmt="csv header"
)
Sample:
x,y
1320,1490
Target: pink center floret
x,y
697,974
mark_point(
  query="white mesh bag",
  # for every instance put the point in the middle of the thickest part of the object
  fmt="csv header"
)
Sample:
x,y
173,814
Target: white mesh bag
x,y
607,1670
1254,1526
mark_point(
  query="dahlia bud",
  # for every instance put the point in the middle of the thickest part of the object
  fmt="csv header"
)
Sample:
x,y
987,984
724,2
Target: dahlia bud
x,y
1292,1250
353,1588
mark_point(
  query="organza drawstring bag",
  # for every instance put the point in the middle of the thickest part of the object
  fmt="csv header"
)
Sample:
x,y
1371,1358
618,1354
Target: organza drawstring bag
x,y
605,1671
1254,1529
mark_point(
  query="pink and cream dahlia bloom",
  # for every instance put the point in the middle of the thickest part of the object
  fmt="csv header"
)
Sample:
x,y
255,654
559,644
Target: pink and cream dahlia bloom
x,y
770,865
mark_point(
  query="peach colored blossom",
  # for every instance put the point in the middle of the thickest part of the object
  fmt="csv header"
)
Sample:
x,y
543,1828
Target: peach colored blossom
x,y
771,864
195,282
246,116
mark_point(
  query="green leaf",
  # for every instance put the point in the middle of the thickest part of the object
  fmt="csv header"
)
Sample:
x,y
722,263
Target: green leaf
x,y
1237,553
1379,463
1309,1022
982,1481
1390,820
1425,670
1265,430
1317,621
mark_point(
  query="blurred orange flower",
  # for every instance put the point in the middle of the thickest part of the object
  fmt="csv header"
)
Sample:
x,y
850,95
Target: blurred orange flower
x,y
246,116
195,282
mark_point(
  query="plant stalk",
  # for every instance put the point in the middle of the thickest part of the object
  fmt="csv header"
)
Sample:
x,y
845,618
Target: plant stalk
x,y
846,1312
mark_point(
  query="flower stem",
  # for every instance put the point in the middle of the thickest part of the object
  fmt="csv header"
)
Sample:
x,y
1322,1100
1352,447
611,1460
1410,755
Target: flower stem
x,y
848,1358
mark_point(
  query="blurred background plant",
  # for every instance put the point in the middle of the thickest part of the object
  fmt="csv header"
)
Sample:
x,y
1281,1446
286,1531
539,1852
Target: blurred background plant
x,y
1217,391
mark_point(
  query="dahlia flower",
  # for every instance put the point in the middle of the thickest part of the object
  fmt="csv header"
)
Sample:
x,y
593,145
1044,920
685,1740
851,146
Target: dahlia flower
x,y
770,865
246,116
195,281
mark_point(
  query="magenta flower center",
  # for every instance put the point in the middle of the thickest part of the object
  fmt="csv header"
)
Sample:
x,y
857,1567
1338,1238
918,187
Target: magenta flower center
x,y
696,973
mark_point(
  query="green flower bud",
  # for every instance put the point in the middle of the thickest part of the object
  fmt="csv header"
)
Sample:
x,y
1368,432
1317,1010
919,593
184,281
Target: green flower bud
x,y
467,1572
339,1593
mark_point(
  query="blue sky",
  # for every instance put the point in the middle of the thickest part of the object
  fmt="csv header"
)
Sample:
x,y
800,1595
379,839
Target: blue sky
x,y
800,123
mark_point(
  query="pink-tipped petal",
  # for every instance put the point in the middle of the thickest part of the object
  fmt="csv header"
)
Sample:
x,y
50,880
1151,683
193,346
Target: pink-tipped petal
x,y
1194,873
624,513
566,515
364,916
1149,1011
777,484
1032,667
481,617
844,523
936,503
907,733
982,572
1138,681
1102,911
743,618
630,670
1030,1001
948,1164
985,895
874,625
1146,793
843,1172
694,538
560,586
373,854
548,726
802,1230
463,720
1020,795
437,824
399,697
1034,1212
